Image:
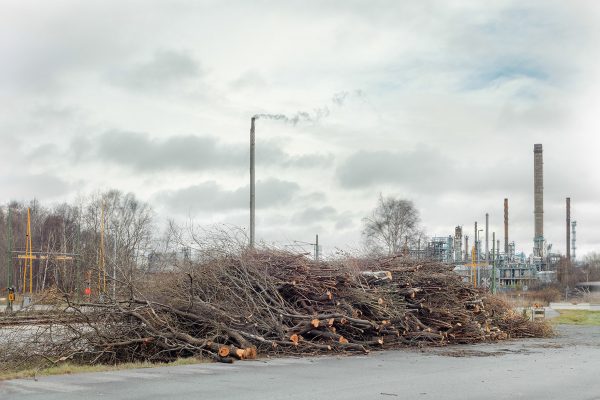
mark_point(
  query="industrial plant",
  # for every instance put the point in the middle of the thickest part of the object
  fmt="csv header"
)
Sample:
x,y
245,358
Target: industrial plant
x,y
488,264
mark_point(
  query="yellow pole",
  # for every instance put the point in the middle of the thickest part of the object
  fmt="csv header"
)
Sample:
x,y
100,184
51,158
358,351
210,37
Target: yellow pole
x,y
29,254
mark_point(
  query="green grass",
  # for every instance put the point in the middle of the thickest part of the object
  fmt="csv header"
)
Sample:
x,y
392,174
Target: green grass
x,y
578,317
69,368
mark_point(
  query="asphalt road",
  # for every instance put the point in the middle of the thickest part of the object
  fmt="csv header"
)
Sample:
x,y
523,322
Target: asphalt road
x,y
566,367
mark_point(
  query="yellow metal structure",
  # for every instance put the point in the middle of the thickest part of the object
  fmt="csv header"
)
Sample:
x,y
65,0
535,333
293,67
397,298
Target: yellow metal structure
x,y
28,256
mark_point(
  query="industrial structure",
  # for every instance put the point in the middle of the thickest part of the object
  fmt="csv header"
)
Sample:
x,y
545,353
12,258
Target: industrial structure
x,y
506,269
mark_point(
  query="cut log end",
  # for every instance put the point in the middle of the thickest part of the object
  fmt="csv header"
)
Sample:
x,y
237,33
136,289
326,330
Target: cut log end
x,y
223,351
240,353
250,353
315,323
294,339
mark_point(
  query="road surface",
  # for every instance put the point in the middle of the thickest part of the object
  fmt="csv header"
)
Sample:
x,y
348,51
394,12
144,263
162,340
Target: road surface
x,y
565,367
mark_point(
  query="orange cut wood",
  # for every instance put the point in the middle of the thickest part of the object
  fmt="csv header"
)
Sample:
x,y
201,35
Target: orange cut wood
x,y
315,323
294,339
223,351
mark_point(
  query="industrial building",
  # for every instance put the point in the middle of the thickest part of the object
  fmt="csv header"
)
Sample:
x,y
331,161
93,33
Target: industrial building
x,y
501,268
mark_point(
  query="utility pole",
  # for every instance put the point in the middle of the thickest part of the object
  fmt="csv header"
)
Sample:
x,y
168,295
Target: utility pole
x,y
78,251
317,248
101,266
252,182
114,274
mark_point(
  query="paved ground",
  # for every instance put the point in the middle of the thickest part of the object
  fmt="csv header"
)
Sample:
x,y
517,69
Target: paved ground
x,y
566,367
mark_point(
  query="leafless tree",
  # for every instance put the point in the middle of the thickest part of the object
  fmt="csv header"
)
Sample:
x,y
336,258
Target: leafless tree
x,y
393,225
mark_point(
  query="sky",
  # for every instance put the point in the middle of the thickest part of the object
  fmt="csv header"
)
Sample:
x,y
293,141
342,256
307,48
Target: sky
x,y
438,102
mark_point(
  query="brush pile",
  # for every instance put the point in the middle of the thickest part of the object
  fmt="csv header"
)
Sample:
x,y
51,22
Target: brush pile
x,y
270,302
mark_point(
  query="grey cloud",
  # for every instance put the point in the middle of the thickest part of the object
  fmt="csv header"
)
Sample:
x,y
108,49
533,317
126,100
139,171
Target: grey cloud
x,y
165,68
190,152
140,151
422,167
209,196
249,79
323,215
28,186
314,214
427,170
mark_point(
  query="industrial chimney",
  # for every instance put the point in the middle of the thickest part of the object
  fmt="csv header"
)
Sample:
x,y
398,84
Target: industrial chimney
x,y
505,227
538,186
573,241
568,229
252,182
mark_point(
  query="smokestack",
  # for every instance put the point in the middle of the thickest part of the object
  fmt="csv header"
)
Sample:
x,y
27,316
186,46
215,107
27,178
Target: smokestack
x,y
573,240
568,229
476,243
252,182
487,245
505,227
538,187
458,243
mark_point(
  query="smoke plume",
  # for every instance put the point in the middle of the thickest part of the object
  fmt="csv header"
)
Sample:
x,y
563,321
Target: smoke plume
x,y
338,99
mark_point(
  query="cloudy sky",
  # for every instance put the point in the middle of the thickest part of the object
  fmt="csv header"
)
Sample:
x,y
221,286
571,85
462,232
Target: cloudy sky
x,y
439,102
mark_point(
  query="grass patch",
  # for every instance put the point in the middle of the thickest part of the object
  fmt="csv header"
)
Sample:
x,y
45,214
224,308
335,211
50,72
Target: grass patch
x,y
578,317
67,368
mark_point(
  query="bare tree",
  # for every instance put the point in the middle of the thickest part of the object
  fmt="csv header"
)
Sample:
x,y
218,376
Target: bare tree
x,y
393,225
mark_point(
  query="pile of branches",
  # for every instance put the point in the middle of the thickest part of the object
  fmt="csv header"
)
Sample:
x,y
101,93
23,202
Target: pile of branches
x,y
270,302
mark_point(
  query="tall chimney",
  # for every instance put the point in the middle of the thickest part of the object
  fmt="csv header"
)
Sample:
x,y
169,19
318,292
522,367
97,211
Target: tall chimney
x,y
505,227
476,243
487,238
458,244
538,187
252,183
573,241
568,229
